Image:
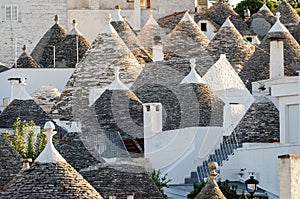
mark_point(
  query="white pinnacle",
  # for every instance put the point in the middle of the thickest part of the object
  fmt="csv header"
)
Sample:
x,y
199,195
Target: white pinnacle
x,y
278,26
117,16
74,30
108,28
264,8
49,154
228,23
117,84
193,77
187,17
151,20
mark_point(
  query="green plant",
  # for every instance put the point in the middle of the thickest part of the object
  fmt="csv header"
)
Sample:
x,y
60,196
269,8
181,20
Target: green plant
x,y
25,140
227,190
160,181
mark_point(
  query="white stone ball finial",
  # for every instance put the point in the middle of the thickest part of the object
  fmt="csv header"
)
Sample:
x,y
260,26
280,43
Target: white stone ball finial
x,y
193,63
49,126
213,166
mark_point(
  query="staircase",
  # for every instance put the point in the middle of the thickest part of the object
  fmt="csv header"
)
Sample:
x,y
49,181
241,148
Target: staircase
x,y
227,147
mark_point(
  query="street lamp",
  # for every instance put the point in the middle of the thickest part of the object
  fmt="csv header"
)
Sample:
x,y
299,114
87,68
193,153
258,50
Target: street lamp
x,y
251,186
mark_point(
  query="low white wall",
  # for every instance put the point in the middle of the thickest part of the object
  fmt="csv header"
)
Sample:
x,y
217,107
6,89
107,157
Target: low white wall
x,y
178,152
262,159
36,78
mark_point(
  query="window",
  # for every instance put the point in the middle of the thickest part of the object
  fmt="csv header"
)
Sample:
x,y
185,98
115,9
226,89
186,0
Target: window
x,y
203,27
11,12
249,39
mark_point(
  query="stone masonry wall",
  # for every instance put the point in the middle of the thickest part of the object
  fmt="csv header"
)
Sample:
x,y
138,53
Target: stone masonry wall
x,y
34,19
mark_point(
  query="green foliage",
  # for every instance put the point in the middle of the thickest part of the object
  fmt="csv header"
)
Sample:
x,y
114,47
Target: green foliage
x,y
253,6
160,181
25,141
272,5
298,10
227,190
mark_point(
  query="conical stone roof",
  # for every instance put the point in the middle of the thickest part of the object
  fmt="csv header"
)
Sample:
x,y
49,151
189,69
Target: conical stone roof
x,y
50,176
130,39
186,40
25,110
170,22
97,68
161,82
230,42
120,111
26,61
211,189
260,123
46,97
72,148
67,52
288,14
10,162
261,22
296,33
122,179
43,51
147,33
257,67
220,11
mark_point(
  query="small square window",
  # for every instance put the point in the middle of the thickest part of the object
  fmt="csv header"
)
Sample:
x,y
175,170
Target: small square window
x,y
11,12
203,27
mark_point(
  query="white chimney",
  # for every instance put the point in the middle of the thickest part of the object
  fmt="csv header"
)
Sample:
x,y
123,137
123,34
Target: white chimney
x,y
289,180
137,14
152,119
276,48
14,87
276,58
157,49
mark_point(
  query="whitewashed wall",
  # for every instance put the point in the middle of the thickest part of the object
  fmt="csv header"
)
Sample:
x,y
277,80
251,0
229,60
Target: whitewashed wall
x,y
262,159
178,152
167,7
35,79
35,18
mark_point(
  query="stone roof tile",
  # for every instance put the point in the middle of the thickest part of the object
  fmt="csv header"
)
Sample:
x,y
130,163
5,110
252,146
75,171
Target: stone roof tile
x,y
72,148
26,61
186,40
50,180
230,42
10,162
288,13
257,67
259,124
43,51
122,180
25,110
220,11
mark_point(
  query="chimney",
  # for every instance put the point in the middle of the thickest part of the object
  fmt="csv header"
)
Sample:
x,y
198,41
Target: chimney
x,y
276,48
26,163
157,51
289,180
276,58
14,87
137,14
152,119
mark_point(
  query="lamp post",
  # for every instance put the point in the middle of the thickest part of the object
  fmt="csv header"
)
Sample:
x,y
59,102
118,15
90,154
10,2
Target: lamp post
x,y
251,186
